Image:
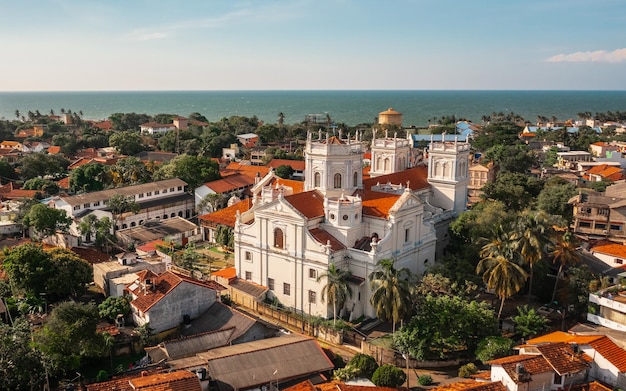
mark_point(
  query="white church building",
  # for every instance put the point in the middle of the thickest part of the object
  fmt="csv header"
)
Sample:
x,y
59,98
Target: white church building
x,y
285,240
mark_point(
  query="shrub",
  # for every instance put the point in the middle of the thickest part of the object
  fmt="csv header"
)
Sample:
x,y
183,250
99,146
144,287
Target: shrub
x,y
467,370
338,361
365,364
425,380
102,376
388,376
345,374
491,348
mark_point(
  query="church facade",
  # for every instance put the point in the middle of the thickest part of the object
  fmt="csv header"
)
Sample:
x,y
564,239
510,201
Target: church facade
x,y
286,241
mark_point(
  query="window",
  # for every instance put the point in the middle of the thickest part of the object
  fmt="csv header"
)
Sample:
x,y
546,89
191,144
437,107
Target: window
x,y
603,212
87,205
584,224
171,189
407,235
312,297
248,276
278,238
600,226
345,217
97,203
76,207
355,179
270,284
317,179
619,261
313,273
287,289
558,379
156,192
140,195
148,194
248,256
180,188
615,227
337,181
164,191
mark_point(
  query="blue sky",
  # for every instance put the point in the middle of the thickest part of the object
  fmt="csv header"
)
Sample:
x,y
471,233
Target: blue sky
x,y
55,45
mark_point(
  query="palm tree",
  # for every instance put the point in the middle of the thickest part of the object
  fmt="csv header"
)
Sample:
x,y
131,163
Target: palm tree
x,y
528,238
281,119
391,294
565,253
17,114
500,273
336,289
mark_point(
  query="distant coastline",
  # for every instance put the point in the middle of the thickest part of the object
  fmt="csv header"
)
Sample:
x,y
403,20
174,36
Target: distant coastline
x,y
349,107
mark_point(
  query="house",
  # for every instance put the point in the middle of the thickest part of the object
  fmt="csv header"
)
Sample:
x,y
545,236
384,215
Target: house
x,y
248,140
285,241
11,145
54,149
296,165
468,385
189,346
607,307
12,191
600,215
153,128
211,221
231,152
157,200
167,300
166,381
34,146
271,360
35,131
569,160
112,276
174,230
480,175
551,366
334,385
608,360
155,156
229,185
602,149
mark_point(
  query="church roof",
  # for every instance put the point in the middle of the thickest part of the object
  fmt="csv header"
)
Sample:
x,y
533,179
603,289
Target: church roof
x,y
324,237
378,204
417,177
309,203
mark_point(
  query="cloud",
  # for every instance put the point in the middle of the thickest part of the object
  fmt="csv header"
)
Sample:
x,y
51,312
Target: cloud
x,y
144,36
617,55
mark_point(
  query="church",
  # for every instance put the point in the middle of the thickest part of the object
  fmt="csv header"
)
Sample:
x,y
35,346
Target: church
x,y
400,211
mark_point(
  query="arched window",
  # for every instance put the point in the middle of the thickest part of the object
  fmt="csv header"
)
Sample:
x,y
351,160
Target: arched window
x,y
317,179
378,164
279,238
355,179
337,181
386,165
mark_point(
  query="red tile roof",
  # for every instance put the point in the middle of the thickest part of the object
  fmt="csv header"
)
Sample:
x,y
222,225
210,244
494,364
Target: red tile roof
x,y
244,169
562,358
230,183
417,177
296,186
227,216
53,150
297,165
104,125
168,381
309,203
377,204
64,183
228,273
324,237
613,249
152,246
611,352
592,386
90,255
470,385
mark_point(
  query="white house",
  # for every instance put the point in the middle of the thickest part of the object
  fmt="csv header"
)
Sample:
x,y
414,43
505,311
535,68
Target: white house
x,y
285,242
156,128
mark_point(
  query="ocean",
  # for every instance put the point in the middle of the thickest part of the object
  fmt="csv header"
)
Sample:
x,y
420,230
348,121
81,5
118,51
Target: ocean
x,y
349,107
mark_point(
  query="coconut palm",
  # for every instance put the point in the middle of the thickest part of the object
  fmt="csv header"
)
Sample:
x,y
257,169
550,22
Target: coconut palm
x,y
565,253
336,289
500,273
391,294
528,239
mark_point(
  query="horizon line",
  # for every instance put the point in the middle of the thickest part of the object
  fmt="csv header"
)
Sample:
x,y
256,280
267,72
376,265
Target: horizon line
x,y
321,90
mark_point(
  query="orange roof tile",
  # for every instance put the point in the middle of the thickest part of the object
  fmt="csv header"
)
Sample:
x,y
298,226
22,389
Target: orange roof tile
x,y
377,204
297,165
227,216
309,203
528,134
230,183
296,186
467,385
417,178
324,237
228,273
611,351
562,358
64,183
104,125
53,150
591,386
173,381
613,249
152,246
90,255
557,336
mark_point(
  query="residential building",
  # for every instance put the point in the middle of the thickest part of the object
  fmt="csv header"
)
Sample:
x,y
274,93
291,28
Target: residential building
x,y
479,176
143,381
112,277
569,160
296,165
153,128
11,145
222,190
607,307
284,242
174,230
34,146
248,140
600,215
168,300
157,200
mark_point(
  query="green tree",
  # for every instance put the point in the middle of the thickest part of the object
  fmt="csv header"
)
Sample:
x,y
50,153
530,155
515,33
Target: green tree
x,y
336,289
494,347
529,240
44,185
69,336
388,376
564,253
515,190
97,230
553,198
529,322
284,171
41,164
224,236
366,365
129,171
194,170
88,177
126,142
390,292
6,170
70,273
46,221
120,205
21,367
128,121
28,267
499,272
113,306
445,325
511,158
